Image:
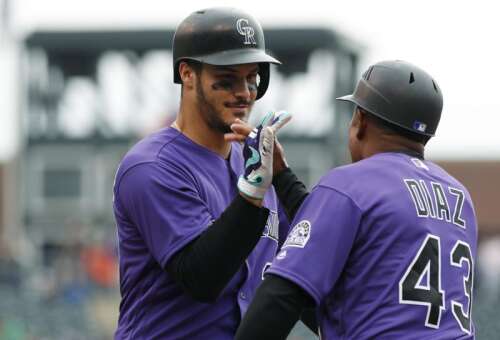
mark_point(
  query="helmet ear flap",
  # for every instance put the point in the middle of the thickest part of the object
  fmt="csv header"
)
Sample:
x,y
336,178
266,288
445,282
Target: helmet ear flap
x,y
264,71
177,76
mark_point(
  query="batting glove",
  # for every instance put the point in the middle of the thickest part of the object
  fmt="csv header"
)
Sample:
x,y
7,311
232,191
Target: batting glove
x,y
258,155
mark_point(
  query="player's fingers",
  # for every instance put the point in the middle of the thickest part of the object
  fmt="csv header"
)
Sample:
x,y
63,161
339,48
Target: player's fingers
x,y
279,159
277,143
241,128
281,118
268,119
234,137
268,140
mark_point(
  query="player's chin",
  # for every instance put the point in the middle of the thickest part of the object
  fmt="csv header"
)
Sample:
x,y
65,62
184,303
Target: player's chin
x,y
234,114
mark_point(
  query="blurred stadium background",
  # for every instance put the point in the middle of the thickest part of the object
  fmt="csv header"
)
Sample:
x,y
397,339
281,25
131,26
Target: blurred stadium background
x,y
75,98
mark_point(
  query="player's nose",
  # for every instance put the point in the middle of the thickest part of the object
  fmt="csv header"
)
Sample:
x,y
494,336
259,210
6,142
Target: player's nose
x,y
244,90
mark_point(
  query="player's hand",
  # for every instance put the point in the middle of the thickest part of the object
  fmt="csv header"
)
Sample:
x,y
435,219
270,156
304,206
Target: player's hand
x,y
242,129
279,160
258,155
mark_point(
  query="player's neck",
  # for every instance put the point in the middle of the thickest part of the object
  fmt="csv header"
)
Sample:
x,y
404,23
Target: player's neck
x,y
193,126
393,144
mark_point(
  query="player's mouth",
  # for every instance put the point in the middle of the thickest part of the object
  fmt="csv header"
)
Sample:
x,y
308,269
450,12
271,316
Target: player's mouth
x,y
239,105
239,109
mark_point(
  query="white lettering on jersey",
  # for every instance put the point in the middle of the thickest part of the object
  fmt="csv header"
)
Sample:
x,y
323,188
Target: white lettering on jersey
x,y
430,201
442,207
459,204
271,230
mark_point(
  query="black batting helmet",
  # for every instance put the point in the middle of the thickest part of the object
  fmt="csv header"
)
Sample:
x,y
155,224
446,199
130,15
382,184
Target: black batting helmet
x,y
402,94
222,36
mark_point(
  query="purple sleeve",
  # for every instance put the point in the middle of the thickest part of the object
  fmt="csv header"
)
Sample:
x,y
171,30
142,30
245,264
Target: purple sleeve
x,y
317,247
164,206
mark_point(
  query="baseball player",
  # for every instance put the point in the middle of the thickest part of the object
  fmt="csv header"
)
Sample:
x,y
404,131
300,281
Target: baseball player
x,y
383,248
198,225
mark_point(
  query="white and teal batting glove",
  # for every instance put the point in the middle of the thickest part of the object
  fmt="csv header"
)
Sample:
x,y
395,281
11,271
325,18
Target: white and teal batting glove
x,y
258,155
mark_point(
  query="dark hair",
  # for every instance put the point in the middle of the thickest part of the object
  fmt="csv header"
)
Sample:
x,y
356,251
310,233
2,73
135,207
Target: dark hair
x,y
394,129
195,65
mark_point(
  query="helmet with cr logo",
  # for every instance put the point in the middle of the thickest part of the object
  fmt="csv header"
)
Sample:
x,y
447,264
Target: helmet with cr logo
x,y
222,36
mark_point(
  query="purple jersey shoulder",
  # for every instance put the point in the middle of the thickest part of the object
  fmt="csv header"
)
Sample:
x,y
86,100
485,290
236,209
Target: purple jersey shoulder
x,y
366,226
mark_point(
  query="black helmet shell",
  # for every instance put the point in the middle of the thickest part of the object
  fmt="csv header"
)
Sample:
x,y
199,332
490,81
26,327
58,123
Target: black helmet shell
x,y
222,36
402,94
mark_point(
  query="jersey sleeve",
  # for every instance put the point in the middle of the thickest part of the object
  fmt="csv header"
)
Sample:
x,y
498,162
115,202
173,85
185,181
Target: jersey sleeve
x,y
164,206
316,249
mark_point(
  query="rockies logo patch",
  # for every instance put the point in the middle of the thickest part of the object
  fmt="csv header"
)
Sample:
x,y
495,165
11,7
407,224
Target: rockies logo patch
x,y
299,235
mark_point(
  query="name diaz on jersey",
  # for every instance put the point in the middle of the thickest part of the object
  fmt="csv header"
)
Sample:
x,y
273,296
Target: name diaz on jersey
x,y
430,201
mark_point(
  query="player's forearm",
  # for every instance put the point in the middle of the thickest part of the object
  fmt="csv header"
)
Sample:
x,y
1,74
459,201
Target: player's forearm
x,y
290,190
274,310
308,318
205,266
256,202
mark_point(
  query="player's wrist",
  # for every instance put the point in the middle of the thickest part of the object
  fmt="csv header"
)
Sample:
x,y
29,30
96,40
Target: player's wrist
x,y
279,166
256,202
251,191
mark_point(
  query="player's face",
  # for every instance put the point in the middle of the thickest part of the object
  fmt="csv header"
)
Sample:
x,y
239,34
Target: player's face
x,y
225,93
354,142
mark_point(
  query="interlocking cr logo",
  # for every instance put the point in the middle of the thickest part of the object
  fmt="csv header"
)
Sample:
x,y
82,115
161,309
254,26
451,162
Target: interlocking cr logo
x,y
246,30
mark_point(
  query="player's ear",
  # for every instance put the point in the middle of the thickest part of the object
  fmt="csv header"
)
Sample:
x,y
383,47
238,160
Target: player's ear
x,y
360,122
187,74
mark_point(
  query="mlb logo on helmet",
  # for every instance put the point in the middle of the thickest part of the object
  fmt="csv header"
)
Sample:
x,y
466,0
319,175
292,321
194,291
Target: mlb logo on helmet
x,y
419,126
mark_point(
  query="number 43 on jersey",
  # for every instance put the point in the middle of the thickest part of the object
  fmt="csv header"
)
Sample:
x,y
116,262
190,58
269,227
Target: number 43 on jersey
x,y
427,264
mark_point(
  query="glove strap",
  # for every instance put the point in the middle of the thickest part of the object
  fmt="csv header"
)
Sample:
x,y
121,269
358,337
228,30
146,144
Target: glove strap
x,y
251,190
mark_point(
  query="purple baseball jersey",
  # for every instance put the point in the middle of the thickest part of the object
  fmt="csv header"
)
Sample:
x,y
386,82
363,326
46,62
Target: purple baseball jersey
x,y
386,248
167,191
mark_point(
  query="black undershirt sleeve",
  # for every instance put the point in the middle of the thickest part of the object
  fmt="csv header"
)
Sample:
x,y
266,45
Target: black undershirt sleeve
x,y
308,318
291,192
205,266
276,307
